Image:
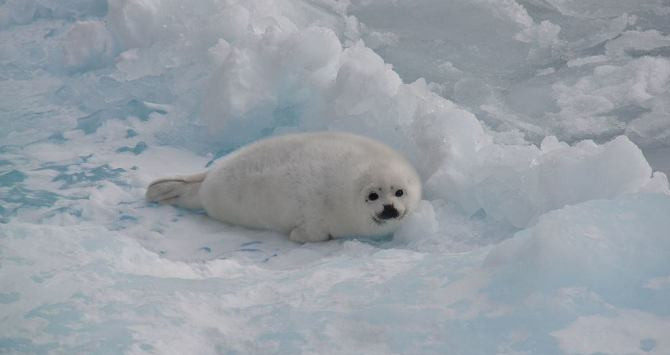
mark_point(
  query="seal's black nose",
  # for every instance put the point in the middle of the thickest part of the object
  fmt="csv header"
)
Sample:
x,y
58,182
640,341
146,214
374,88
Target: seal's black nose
x,y
388,212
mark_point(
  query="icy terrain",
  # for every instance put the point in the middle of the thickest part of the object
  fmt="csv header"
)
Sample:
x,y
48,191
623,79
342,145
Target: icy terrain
x,y
541,130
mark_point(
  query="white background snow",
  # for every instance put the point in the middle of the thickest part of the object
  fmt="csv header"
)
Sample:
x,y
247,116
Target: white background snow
x,y
541,130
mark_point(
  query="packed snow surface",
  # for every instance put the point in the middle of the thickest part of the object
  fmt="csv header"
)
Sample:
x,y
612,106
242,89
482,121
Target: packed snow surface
x,y
540,128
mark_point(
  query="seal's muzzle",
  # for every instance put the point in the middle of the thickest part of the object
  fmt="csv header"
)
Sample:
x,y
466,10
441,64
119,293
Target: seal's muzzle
x,y
389,212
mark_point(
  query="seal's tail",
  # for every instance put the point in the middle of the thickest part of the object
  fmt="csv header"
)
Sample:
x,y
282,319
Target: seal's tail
x,y
179,190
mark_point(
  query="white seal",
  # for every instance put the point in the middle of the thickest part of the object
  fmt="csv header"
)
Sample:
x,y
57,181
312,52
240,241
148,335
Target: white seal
x,y
311,186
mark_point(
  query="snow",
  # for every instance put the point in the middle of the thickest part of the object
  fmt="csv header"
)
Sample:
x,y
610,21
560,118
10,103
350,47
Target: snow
x,y
627,332
540,130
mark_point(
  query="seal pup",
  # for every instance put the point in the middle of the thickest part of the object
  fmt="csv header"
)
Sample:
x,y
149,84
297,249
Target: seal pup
x,y
311,186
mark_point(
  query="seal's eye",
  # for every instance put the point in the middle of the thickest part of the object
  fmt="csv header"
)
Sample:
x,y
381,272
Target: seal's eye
x,y
373,196
399,193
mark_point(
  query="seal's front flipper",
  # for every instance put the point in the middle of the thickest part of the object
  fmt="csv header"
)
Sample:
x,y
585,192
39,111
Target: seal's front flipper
x,y
301,235
179,191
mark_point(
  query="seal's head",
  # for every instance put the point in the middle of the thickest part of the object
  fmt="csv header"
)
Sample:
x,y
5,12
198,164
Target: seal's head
x,y
386,195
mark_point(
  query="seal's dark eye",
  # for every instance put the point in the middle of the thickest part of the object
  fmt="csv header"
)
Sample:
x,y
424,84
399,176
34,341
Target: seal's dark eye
x,y
373,196
399,193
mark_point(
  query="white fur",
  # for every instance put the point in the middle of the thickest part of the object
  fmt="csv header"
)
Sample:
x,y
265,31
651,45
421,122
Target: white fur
x,y
312,186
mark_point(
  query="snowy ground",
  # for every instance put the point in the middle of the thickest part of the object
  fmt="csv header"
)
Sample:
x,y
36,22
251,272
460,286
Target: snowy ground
x,y
541,129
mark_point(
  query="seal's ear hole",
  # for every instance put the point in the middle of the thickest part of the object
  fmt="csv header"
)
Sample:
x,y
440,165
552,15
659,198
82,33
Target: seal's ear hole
x,y
372,196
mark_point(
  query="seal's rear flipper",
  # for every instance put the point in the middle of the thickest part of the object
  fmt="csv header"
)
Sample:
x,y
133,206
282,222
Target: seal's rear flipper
x,y
179,191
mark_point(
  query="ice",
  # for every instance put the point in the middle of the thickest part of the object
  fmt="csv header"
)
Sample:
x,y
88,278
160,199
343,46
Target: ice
x,y
351,295
591,105
20,12
508,45
604,245
539,128
257,81
86,45
17,12
558,176
643,332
